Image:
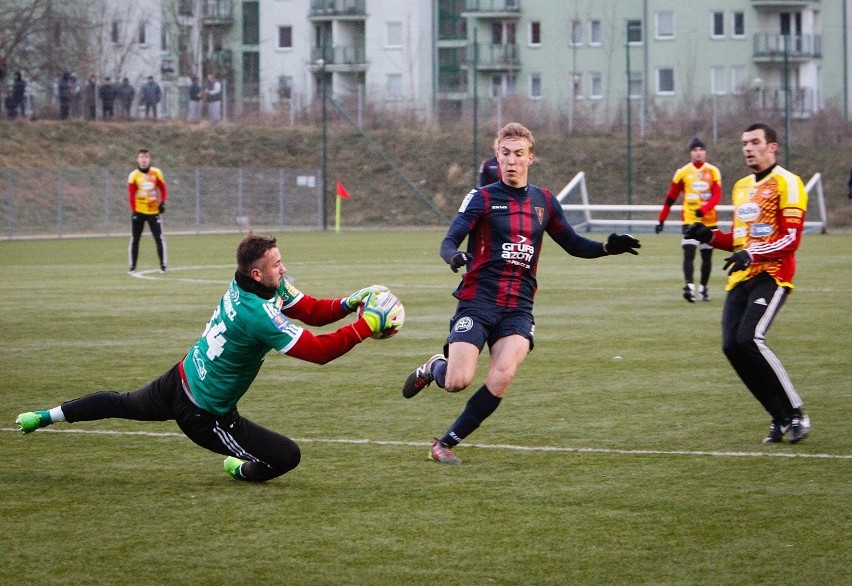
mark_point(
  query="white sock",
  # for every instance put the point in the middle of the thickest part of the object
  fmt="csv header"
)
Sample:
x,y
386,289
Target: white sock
x,y
57,415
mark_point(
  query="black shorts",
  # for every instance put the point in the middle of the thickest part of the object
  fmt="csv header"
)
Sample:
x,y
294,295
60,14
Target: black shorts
x,y
479,325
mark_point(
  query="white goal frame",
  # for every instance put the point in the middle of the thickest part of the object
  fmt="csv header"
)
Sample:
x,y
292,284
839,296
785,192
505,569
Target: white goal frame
x,y
623,215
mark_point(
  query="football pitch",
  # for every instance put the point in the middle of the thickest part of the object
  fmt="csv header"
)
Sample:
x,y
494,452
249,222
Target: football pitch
x,y
625,452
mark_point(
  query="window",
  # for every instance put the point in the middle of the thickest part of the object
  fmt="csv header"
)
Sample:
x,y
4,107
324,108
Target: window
x,y
511,83
251,23
576,28
576,85
285,37
717,25
595,33
394,86
665,81
535,33
718,81
285,87
143,33
115,31
393,35
535,86
739,24
596,85
635,85
739,79
496,86
634,31
664,22
503,33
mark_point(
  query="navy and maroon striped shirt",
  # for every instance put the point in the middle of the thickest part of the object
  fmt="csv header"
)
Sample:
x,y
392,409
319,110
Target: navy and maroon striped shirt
x,y
505,228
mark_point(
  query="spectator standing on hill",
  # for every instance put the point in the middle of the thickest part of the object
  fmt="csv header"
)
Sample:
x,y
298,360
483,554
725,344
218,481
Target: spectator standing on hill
x,y
194,105
147,191
769,216
107,94
76,97
126,93
504,224
213,95
151,95
849,185
17,95
701,185
200,393
90,94
63,92
489,170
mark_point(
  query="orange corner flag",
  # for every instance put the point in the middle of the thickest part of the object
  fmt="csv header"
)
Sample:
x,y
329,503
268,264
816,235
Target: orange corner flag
x,y
341,191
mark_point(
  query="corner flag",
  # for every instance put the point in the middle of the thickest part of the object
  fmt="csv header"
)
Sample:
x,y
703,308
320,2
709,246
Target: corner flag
x,y
341,191
341,194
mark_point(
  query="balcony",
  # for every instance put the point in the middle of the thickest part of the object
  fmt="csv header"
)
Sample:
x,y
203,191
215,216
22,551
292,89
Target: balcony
x,y
494,57
492,8
340,58
771,47
217,12
784,3
803,101
337,10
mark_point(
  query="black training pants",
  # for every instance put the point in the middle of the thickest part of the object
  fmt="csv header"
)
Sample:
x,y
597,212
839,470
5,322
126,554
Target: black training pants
x,y
137,225
749,310
267,454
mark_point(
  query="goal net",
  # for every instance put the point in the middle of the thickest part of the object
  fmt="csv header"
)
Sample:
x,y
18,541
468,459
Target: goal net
x,y
585,216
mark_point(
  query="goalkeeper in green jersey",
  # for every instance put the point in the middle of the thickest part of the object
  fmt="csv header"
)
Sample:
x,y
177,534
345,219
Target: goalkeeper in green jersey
x,y
201,391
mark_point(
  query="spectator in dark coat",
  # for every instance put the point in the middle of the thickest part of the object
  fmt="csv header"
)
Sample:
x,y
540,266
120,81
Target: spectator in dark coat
x,y
15,100
107,94
90,93
63,91
151,95
126,93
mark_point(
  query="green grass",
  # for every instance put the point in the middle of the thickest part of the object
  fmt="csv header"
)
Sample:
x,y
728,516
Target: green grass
x,y
643,470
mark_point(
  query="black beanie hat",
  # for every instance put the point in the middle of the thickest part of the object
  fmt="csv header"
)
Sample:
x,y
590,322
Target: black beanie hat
x,y
697,142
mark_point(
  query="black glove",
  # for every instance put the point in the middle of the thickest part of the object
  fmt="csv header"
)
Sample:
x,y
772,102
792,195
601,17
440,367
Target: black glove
x,y
621,243
699,213
659,227
738,261
460,259
698,231
162,208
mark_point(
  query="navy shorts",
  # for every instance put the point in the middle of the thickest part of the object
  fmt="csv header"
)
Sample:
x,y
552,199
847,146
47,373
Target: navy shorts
x,y
477,325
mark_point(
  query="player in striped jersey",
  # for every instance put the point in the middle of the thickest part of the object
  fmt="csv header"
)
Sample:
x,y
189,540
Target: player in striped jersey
x,y
504,224
769,215
202,390
146,190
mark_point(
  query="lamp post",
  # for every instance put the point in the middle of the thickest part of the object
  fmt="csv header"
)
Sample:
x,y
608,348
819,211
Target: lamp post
x,y
321,63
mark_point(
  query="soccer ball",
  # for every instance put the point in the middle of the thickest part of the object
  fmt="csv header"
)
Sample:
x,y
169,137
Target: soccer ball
x,y
390,311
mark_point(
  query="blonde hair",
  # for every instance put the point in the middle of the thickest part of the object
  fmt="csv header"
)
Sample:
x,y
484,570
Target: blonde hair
x,y
515,130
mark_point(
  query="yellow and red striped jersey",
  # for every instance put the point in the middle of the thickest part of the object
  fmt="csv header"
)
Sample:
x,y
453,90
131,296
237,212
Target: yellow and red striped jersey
x,y
146,191
769,217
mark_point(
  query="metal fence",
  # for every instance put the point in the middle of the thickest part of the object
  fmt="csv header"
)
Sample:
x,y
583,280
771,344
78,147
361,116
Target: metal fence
x,y
94,201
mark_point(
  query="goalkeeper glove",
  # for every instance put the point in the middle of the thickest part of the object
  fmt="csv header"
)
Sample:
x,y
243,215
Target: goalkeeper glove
x,y
162,208
460,258
353,301
380,313
739,261
659,227
699,213
698,231
620,243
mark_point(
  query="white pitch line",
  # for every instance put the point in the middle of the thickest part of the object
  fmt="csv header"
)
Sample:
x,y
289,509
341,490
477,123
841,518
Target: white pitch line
x,y
510,447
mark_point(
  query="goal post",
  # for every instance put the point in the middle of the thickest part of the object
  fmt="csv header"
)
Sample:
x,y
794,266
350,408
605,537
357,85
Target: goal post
x,y
583,215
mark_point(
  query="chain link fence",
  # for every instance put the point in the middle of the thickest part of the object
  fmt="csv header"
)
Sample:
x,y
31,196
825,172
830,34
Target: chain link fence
x,y
39,203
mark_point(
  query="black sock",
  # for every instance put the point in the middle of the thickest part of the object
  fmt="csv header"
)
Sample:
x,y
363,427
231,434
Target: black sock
x,y
480,405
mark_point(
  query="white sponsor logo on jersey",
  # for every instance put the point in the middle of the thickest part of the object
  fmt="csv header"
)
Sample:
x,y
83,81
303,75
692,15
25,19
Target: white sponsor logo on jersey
x,y
761,230
519,252
700,186
466,201
748,212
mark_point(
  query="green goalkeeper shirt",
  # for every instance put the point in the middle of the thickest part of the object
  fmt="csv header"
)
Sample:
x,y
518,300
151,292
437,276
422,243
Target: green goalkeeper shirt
x,y
221,366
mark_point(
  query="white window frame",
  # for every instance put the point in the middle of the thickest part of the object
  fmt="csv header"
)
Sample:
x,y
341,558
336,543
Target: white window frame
x,y
596,79
390,42
658,75
532,42
739,79
718,80
658,24
713,16
281,28
393,86
734,33
637,80
595,26
575,33
535,91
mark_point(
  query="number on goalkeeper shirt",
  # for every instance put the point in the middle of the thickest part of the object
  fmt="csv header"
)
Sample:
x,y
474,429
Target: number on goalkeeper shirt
x,y
215,340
